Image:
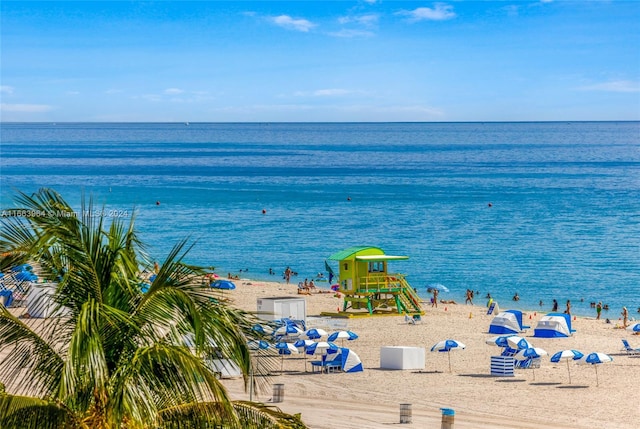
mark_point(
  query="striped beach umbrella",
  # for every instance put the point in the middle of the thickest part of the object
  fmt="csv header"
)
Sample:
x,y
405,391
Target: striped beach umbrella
x,y
634,328
315,333
595,359
285,348
566,355
518,343
446,346
530,353
343,335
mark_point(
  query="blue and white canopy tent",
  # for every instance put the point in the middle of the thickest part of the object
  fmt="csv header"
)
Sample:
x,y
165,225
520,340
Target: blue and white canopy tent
x,y
507,322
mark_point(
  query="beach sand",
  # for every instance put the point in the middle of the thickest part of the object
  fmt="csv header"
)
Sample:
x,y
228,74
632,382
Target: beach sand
x,y
371,399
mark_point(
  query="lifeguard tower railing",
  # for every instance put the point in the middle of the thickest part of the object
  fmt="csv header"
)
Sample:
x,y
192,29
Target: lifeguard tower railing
x,y
380,288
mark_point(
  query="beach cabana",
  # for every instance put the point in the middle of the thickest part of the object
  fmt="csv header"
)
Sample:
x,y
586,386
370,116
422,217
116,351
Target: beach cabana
x,y
554,325
507,322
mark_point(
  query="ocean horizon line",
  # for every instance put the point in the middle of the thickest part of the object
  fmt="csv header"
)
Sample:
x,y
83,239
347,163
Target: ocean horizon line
x,y
323,122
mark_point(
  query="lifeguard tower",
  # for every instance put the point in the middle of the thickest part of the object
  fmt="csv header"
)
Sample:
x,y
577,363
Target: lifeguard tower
x,y
367,284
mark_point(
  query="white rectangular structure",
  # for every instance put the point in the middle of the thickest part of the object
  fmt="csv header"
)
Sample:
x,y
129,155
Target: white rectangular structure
x,y
274,308
401,357
503,366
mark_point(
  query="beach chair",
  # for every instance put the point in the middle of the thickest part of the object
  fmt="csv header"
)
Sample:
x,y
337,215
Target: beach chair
x,y
630,350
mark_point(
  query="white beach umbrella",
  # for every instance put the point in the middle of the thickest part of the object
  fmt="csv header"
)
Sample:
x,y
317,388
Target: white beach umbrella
x,y
303,344
566,355
500,340
288,331
595,359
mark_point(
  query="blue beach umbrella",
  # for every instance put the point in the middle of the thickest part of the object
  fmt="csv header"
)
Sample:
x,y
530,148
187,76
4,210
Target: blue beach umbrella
x,y
262,329
303,344
322,348
152,278
595,359
566,355
343,335
500,341
350,361
437,286
258,345
288,331
446,346
26,276
518,343
530,353
315,333
285,348
223,284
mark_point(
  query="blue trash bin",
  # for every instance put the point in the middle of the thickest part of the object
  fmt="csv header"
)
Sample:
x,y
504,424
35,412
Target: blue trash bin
x,y
448,416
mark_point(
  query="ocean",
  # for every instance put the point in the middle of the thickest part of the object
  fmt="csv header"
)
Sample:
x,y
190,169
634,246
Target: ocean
x,y
547,210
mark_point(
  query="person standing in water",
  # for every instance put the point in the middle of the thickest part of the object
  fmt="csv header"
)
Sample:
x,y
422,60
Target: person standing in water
x,y
598,310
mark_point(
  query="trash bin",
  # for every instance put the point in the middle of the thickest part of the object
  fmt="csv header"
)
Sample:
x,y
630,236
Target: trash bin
x,y
405,413
448,416
278,393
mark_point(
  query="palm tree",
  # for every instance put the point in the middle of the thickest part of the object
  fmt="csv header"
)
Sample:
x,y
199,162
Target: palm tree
x,y
115,356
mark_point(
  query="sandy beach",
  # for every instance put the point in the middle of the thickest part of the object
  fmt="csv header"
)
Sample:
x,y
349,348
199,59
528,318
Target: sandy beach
x,y
532,399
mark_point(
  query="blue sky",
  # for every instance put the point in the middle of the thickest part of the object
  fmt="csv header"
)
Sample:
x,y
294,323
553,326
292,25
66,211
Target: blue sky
x,y
320,61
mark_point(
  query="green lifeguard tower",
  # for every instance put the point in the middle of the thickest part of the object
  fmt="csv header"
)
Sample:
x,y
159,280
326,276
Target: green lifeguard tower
x,y
367,284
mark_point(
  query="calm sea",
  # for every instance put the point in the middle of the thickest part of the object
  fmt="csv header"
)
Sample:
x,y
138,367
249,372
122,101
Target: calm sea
x,y
547,210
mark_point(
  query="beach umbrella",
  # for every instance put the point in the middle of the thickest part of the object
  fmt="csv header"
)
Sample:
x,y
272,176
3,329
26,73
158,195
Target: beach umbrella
x,y
223,284
322,348
446,346
285,348
152,278
518,343
566,355
26,276
350,361
262,329
500,341
530,353
303,344
634,328
335,287
595,359
437,286
288,331
315,333
258,345
343,335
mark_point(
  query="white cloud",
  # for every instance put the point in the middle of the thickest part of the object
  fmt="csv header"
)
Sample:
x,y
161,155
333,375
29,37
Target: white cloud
x,y
173,91
25,108
351,33
6,89
613,86
440,12
285,21
368,20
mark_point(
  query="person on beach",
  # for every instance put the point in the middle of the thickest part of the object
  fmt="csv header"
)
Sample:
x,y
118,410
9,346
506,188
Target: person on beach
x,y
469,299
625,317
156,268
434,303
598,310
568,310
555,306
287,274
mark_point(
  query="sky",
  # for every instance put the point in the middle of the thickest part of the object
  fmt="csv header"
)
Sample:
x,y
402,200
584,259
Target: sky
x,y
328,61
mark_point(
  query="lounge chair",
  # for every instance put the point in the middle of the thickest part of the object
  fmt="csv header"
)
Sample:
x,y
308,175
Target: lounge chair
x,y
630,350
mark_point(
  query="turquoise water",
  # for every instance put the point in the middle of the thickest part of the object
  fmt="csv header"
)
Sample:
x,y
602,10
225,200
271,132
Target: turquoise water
x,y
547,210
